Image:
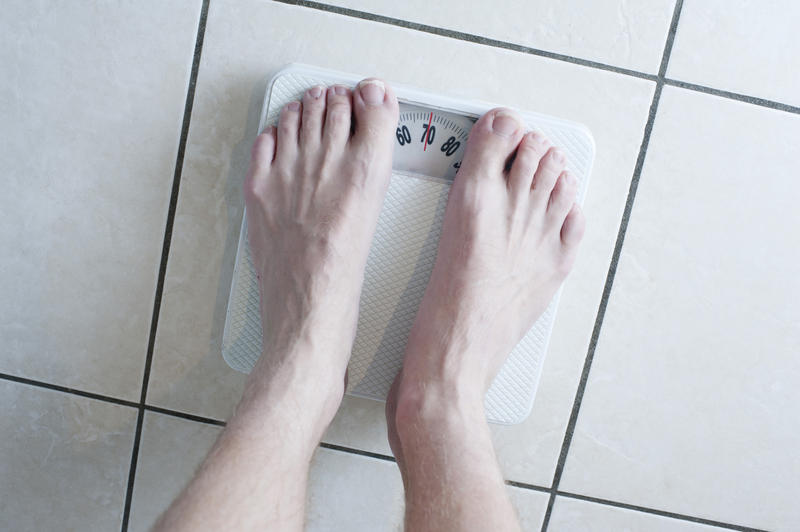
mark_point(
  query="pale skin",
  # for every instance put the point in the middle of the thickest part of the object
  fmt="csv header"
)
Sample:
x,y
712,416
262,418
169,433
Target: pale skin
x,y
313,193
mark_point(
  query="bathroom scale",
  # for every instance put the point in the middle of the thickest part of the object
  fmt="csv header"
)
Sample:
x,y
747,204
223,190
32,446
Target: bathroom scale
x,y
430,140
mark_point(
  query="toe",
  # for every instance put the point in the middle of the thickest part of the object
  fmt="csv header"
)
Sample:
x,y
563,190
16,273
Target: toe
x,y
376,109
492,140
263,151
261,157
545,177
338,117
562,198
572,230
313,115
529,152
288,128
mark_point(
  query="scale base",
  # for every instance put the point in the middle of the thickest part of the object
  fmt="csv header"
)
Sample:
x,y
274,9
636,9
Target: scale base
x,y
400,261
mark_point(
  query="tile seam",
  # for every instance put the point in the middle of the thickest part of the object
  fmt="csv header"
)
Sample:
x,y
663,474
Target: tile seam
x,y
566,58
654,511
359,452
351,450
526,486
579,393
173,202
465,36
728,95
184,415
68,390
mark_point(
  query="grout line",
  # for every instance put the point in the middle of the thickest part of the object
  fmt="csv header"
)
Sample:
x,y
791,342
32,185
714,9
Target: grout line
x,y
173,202
771,104
495,43
523,485
601,311
463,36
612,270
350,450
653,511
65,389
378,456
194,417
184,415
137,439
109,399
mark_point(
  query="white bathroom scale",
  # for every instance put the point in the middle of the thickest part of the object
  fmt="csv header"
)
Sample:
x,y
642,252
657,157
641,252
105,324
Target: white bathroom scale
x,y
430,140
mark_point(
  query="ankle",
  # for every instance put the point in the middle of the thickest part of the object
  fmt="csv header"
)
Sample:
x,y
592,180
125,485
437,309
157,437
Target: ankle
x,y
448,408
283,382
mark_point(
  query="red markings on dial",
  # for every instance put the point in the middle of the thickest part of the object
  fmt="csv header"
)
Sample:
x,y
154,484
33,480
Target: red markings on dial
x,y
428,134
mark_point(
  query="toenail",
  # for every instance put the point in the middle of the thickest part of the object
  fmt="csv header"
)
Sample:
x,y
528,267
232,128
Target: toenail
x,y
338,89
293,106
571,179
558,156
537,138
373,91
315,92
505,124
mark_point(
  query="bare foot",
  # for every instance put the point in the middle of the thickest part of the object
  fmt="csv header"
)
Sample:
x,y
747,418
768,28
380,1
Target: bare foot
x,y
313,193
509,239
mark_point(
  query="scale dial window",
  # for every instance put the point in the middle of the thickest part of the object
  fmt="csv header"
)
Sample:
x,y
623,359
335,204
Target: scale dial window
x,y
430,142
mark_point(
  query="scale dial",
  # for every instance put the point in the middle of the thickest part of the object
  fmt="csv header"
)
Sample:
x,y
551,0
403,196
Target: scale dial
x,y
430,142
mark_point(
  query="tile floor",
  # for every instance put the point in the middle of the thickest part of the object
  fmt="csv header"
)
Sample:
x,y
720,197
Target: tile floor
x,y
666,401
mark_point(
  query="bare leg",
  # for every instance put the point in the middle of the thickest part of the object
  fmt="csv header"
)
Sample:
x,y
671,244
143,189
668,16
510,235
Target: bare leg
x,y
313,194
509,239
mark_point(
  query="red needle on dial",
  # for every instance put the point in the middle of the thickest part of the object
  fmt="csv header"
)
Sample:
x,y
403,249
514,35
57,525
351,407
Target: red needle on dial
x,y
428,132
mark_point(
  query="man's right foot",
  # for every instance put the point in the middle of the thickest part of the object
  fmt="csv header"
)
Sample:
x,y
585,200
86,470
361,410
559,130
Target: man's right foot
x,y
313,194
509,238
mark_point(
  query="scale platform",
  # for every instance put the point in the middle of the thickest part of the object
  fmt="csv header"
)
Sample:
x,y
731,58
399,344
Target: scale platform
x,y
404,248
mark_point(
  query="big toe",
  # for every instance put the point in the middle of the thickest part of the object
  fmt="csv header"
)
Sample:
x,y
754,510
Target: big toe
x,y
572,232
376,110
492,141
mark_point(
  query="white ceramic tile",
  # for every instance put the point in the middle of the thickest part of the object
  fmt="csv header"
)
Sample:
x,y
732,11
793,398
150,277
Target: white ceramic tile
x,y
346,491
351,492
64,460
90,131
530,506
170,451
581,516
691,404
740,46
625,34
188,371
